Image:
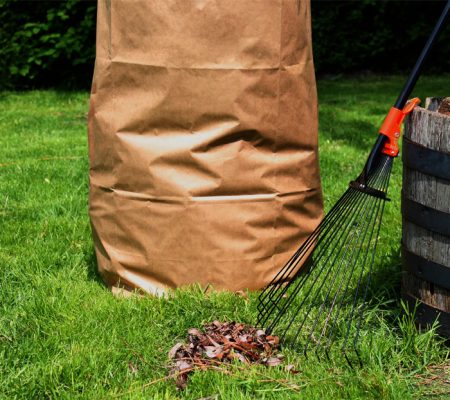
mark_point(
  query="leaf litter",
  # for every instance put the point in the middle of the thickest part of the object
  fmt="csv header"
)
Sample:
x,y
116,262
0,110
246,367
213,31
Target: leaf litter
x,y
219,343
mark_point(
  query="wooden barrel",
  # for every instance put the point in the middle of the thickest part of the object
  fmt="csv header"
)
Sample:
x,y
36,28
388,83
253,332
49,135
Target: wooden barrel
x,y
426,213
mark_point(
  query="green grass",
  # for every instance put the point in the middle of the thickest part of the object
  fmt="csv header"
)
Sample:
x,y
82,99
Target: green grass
x,y
62,333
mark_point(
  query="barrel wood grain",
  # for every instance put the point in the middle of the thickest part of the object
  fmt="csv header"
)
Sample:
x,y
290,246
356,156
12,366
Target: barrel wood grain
x,y
432,130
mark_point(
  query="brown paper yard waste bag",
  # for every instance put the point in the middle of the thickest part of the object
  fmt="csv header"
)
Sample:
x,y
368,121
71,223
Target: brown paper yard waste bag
x,y
202,141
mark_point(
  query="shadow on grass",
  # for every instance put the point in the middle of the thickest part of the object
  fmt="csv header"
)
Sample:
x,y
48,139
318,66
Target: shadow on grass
x,y
355,132
385,287
386,277
92,267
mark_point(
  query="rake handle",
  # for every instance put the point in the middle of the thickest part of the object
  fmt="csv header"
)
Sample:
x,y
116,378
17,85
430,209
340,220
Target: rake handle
x,y
417,70
406,91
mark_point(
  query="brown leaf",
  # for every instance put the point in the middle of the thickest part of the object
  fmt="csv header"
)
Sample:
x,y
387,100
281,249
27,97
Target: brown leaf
x,y
213,341
183,365
241,358
194,332
133,368
291,369
273,339
181,381
273,361
242,294
267,348
212,353
174,349
204,341
243,338
248,346
224,342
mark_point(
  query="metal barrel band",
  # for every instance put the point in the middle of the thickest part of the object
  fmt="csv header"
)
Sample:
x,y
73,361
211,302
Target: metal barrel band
x,y
427,315
426,217
425,160
427,270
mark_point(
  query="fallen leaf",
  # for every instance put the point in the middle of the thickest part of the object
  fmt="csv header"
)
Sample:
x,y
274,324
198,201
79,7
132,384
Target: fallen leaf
x,y
133,369
183,365
241,358
174,349
273,339
242,294
212,353
213,341
243,338
291,369
273,361
224,342
181,381
194,331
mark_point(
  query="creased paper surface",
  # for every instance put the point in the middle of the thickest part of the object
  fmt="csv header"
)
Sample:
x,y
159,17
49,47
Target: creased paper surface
x,y
202,141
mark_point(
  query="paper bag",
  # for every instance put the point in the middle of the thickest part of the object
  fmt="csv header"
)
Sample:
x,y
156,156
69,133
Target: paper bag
x,y
202,141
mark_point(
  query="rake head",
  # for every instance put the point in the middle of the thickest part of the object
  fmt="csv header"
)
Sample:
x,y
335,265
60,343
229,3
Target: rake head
x,y
317,299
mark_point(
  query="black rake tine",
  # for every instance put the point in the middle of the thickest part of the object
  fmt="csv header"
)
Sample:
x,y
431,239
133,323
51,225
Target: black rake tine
x,y
343,261
310,290
304,320
348,360
304,248
299,285
317,355
342,298
342,291
293,262
327,354
297,288
373,217
272,298
355,340
377,221
284,290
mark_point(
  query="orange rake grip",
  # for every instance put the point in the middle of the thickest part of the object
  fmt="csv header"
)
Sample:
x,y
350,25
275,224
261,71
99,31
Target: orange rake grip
x,y
392,124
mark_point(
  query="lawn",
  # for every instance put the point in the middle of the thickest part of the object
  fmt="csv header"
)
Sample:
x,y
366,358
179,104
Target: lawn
x,y
62,333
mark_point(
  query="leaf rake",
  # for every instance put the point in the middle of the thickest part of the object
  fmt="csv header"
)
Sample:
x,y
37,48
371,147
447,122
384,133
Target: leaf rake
x,y
318,298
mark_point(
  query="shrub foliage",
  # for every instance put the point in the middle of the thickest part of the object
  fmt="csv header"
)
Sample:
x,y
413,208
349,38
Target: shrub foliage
x,y
46,43
376,35
52,43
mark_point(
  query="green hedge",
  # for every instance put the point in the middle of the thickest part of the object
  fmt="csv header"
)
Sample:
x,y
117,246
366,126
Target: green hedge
x,y
46,43
52,43
375,35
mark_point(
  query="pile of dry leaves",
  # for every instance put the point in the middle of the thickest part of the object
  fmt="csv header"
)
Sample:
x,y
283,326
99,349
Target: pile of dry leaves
x,y
222,342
